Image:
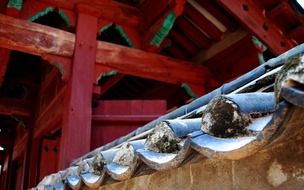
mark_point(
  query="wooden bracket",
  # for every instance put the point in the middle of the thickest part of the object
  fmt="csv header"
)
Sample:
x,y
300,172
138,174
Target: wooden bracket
x,y
62,63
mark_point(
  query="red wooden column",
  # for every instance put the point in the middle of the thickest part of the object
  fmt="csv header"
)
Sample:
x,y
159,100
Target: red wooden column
x,y
76,128
33,163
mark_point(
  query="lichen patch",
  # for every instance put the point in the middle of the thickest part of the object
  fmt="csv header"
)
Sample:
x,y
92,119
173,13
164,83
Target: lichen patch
x,y
162,139
222,118
98,164
291,74
83,167
125,155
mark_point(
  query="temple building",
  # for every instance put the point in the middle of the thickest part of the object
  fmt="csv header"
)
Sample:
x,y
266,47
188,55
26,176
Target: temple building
x,y
151,94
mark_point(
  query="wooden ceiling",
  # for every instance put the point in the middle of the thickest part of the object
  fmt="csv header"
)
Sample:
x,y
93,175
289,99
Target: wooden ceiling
x,y
218,34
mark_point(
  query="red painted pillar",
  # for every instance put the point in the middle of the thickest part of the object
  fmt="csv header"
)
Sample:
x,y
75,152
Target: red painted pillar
x,y
33,165
76,128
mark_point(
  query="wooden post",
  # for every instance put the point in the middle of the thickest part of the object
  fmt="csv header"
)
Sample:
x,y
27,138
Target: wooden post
x,y
33,165
76,128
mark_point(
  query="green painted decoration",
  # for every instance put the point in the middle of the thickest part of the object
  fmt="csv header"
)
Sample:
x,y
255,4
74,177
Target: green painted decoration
x,y
164,30
121,32
40,14
261,46
124,35
17,4
64,18
105,27
48,10
104,76
187,88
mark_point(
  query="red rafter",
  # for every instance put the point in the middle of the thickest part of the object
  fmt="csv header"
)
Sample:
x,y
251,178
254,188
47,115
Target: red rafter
x,y
284,16
203,23
217,11
252,17
188,45
297,34
196,35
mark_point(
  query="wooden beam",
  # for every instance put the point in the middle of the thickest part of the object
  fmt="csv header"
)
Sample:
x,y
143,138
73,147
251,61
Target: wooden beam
x,y
153,10
177,52
197,36
37,39
149,34
15,107
202,22
235,60
34,38
219,13
284,16
184,42
297,34
156,17
148,65
228,39
207,15
250,15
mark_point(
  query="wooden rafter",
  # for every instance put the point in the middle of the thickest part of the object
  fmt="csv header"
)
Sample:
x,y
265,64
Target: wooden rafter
x,y
202,22
38,40
184,42
201,40
159,17
253,18
228,39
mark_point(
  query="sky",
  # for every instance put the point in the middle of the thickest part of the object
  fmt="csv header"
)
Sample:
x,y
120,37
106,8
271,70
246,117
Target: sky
x,y
301,2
